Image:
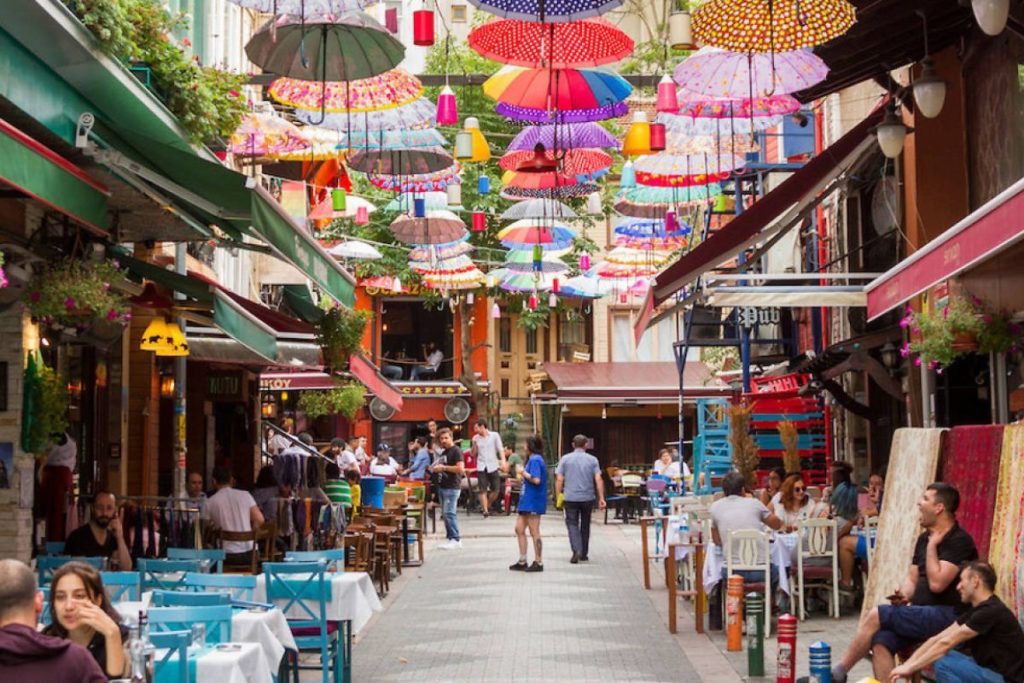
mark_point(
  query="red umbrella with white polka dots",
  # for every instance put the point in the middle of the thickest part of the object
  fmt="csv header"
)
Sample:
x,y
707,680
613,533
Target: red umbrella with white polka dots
x,y
576,44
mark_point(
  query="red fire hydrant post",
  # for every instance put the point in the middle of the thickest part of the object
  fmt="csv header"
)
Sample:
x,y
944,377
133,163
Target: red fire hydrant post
x,y
734,614
785,667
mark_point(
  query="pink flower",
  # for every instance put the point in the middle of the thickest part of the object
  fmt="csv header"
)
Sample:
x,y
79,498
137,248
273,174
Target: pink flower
x,y
35,296
917,361
234,93
987,318
186,42
69,303
126,316
905,350
905,322
111,315
932,365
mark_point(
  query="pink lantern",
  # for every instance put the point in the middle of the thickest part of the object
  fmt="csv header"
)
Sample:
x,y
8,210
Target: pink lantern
x,y
423,27
585,261
671,224
657,137
362,215
479,221
552,300
532,302
667,99
391,19
623,298
447,108
495,311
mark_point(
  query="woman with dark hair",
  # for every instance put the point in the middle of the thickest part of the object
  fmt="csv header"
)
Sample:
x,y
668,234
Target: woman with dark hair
x,y
794,505
775,478
843,499
533,502
81,612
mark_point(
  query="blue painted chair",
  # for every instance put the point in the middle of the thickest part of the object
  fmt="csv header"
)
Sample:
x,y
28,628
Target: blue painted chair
x,y
216,618
44,617
48,564
334,559
214,556
167,575
239,586
169,644
55,547
303,588
189,599
121,586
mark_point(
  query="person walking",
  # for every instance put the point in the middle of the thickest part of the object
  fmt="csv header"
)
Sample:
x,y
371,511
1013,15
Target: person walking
x,y
490,460
578,479
450,465
533,502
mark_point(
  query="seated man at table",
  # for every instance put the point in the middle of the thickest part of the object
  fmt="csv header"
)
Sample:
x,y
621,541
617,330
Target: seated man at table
x,y
384,465
927,603
420,460
995,656
667,467
233,510
737,512
102,536
25,653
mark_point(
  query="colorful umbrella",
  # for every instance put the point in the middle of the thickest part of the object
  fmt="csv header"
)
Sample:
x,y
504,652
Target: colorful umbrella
x,y
417,183
565,136
323,144
264,134
448,265
537,181
526,282
302,8
667,243
557,88
713,72
544,116
355,249
400,161
573,161
648,228
772,26
628,256
385,91
583,287
469,279
547,10
776,105
325,209
440,252
591,42
538,208
521,261
578,190
617,270
528,233
691,169
395,139
438,227
724,127
346,47
416,114
404,202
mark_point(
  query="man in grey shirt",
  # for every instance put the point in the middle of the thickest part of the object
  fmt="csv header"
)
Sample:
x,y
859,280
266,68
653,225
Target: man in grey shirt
x,y
490,458
578,479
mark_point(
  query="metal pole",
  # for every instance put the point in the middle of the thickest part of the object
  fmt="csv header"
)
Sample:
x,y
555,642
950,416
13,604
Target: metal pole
x,y
744,330
179,428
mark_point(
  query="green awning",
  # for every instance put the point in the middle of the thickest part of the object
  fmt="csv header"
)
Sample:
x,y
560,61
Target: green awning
x,y
47,177
300,303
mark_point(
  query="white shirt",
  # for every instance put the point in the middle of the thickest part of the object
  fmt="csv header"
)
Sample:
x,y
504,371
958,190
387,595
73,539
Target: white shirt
x,y
278,443
388,469
487,449
229,509
434,360
360,454
347,461
672,469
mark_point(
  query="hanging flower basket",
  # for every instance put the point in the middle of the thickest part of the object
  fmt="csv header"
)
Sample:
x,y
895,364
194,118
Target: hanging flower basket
x,y
965,342
964,325
340,334
76,293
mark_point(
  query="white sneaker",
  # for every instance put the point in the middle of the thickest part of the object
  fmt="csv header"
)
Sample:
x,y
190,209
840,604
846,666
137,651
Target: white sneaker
x,y
451,544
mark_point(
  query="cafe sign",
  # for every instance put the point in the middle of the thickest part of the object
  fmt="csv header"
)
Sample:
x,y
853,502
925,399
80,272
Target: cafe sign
x,y
224,384
433,390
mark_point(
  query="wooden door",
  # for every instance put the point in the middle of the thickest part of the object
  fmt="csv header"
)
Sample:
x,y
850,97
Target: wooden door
x,y
519,352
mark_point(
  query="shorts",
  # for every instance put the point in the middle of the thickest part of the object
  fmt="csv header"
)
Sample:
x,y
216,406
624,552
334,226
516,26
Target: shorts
x,y
906,625
527,513
862,547
488,481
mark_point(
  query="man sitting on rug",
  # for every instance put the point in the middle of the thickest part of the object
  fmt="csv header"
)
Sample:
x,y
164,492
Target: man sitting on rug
x,y
988,631
930,589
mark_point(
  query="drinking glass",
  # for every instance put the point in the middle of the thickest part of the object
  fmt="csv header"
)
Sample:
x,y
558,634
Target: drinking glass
x,y
199,635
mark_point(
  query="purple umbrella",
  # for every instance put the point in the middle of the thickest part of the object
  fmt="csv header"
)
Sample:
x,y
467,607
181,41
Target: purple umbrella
x,y
717,73
569,136
553,10
611,111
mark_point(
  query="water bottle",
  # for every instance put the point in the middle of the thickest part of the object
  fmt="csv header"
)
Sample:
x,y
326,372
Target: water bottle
x,y
144,654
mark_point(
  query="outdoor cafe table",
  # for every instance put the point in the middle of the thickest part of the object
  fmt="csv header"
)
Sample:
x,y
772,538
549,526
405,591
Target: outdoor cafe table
x,y
266,628
353,598
225,663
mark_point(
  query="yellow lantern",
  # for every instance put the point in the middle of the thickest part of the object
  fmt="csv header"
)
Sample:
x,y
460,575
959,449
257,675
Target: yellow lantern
x,y
638,137
178,344
481,150
155,335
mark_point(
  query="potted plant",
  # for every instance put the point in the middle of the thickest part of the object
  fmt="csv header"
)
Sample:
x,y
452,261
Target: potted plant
x,y
340,334
745,456
345,399
75,293
962,326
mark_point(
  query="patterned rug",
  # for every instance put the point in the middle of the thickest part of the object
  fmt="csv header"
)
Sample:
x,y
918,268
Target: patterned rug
x,y
972,456
1005,548
913,462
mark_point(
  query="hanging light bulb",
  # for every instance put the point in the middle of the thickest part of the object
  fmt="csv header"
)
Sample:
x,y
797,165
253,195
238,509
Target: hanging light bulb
x,y
627,179
470,299
540,162
454,192
638,137
657,137
991,15
495,311
481,150
463,145
423,27
338,199
531,303
604,412
419,207
668,100
929,90
362,215
680,31
594,207
891,133
483,185
552,300
584,261
447,107
479,221
396,285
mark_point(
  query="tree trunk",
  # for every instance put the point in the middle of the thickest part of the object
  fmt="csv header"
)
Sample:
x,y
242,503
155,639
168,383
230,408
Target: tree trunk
x,y
467,374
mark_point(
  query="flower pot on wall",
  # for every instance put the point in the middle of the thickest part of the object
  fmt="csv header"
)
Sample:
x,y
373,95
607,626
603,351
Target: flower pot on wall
x,y
964,342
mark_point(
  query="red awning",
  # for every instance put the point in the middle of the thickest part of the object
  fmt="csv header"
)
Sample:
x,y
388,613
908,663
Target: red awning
x,y
290,381
368,373
757,223
642,382
994,227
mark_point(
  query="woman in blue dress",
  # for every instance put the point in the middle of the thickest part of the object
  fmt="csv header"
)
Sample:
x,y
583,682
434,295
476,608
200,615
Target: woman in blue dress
x,y
533,502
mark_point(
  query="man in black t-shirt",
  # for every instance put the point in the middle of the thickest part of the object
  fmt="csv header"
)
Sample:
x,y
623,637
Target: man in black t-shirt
x,y
450,465
927,602
988,636
102,536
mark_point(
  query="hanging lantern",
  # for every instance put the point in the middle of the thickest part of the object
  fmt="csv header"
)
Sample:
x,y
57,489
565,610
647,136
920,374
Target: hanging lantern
x,y
638,137
470,299
447,107
454,192
479,221
423,27
483,185
584,261
481,150
490,282
668,101
463,145
155,335
627,179
556,286
391,19
594,207
657,137
680,31
531,303
419,207
338,197
671,224
495,311
177,344
623,298
929,90
362,215
396,285
552,300
538,258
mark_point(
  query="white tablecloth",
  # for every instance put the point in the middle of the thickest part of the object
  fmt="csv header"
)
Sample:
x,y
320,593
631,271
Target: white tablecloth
x,y
353,598
243,665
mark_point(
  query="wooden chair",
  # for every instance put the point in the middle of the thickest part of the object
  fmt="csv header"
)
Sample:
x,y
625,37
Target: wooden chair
x,y
358,551
818,540
264,547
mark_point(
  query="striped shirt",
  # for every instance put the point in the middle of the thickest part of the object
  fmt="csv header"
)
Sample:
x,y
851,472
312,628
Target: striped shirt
x,y
339,491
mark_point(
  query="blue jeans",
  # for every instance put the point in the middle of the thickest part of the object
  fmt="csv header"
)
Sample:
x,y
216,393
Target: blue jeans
x,y
956,667
449,505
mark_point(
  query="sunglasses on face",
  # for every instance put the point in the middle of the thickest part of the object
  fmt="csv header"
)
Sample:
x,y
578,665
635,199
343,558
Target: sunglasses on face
x,y
798,489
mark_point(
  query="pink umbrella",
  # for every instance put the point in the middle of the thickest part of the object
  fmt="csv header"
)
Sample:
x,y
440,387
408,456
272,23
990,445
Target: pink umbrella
x,y
717,73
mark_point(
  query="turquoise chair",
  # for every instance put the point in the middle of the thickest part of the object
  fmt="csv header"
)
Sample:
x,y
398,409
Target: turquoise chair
x,y
216,618
334,559
55,547
167,575
303,588
189,599
121,586
169,644
44,617
240,586
214,556
48,564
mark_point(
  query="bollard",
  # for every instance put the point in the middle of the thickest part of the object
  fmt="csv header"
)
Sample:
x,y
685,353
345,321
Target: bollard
x,y
755,634
734,614
785,667
821,663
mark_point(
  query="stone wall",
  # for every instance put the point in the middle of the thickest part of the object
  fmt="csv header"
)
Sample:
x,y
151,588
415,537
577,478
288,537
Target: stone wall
x,y
15,518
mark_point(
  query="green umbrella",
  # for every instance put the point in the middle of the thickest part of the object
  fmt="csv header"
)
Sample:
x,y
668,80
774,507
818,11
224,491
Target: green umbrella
x,y
29,403
349,47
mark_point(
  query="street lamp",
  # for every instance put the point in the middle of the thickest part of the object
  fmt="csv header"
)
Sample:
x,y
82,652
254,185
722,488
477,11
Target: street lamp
x,y
891,133
929,90
991,15
890,356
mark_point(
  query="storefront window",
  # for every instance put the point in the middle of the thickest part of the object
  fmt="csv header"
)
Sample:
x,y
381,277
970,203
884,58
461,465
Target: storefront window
x,y
407,326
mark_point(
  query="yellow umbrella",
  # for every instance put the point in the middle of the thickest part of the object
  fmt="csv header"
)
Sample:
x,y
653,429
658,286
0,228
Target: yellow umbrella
x,y
772,26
